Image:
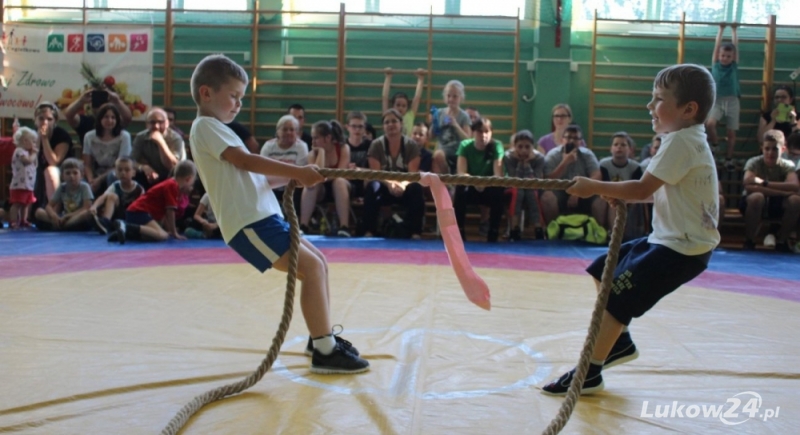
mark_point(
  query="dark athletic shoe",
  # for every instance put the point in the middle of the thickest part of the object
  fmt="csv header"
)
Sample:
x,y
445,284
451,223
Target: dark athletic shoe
x,y
340,361
621,353
560,386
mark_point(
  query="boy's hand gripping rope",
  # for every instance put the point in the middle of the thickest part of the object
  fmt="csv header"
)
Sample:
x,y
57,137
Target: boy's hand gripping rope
x,y
558,422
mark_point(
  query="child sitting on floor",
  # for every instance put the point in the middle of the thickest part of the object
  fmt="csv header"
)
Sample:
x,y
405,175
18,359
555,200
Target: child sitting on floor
x,y
113,203
68,210
152,216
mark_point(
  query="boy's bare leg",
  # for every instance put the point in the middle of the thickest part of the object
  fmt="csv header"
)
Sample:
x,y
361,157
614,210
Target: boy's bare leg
x,y
77,219
324,261
731,144
153,231
110,204
711,132
312,272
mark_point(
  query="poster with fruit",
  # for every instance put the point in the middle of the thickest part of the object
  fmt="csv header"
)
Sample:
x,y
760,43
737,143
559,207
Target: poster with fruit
x,y
60,64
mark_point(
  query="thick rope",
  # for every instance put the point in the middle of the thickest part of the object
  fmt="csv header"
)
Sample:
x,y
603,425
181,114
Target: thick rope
x,y
560,420
202,400
571,399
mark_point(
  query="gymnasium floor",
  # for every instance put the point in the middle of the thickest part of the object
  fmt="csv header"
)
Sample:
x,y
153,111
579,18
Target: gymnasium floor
x,y
97,338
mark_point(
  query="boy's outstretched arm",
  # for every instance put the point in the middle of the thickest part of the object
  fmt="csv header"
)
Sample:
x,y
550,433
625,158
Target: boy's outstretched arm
x,y
715,54
387,83
735,41
418,91
244,160
631,190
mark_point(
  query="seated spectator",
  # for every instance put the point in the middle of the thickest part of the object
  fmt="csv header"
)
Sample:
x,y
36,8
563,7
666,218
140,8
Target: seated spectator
x,y
618,167
54,144
153,215
369,132
23,177
359,147
113,203
103,146
85,122
299,112
328,137
407,107
783,115
156,150
562,118
652,149
171,118
68,210
473,114
793,149
771,190
394,152
420,135
566,162
287,148
480,156
244,134
205,222
523,161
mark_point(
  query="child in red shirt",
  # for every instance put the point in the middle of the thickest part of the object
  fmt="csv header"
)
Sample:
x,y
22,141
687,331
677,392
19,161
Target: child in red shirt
x,y
152,216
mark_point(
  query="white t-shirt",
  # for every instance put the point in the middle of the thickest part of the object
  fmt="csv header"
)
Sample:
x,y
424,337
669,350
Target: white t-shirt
x,y
239,198
686,206
296,154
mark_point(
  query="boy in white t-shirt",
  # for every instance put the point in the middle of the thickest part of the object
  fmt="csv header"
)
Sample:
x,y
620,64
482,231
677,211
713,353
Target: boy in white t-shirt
x,y
240,185
682,179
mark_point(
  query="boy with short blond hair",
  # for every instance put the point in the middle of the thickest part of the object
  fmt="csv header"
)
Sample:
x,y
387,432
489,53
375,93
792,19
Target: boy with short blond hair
x,y
239,185
682,180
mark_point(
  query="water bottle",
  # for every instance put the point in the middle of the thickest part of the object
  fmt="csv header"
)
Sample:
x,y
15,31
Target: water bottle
x,y
435,121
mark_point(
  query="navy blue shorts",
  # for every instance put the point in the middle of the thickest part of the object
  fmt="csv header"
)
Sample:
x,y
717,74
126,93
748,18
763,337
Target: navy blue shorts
x,y
262,243
138,217
646,273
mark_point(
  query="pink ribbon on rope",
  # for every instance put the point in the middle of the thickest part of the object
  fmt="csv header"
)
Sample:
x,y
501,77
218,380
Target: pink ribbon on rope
x,y
474,286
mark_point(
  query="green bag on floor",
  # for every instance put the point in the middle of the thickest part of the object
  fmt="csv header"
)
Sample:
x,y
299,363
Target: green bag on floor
x,y
577,227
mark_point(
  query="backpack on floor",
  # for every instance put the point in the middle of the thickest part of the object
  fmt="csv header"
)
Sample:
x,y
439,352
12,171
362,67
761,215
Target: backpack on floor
x,y
577,227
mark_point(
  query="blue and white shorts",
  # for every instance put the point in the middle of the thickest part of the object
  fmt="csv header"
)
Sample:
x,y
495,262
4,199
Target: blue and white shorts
x,y
262,243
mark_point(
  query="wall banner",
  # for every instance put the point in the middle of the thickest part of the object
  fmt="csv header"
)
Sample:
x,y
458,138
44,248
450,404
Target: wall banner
x,y
59,63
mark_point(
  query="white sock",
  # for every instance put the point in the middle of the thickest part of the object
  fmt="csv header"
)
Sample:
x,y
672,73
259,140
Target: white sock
x,y
597,363
325,344
624,329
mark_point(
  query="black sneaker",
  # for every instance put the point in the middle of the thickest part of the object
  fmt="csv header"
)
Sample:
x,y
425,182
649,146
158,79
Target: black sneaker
x,y
515,235
339,340
621,353
560,386
118,233
340,361
343,232
539,233
749,245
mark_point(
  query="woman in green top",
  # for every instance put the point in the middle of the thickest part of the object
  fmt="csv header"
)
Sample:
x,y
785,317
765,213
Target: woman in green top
x,y
480,156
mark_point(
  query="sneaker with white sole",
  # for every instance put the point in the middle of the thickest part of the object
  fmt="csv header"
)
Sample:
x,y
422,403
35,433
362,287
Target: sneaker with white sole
x,y
621,353
769,241
340,361
560,386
